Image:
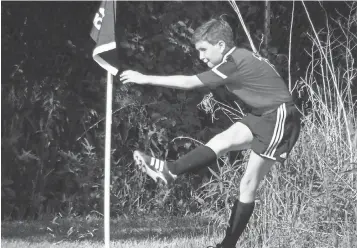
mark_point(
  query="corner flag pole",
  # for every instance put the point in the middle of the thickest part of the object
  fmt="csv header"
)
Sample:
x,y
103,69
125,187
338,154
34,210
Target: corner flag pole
x,y
108,131
104,34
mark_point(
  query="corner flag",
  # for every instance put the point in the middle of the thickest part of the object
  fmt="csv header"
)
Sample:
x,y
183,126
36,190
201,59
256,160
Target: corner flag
x,y
105,54
103,33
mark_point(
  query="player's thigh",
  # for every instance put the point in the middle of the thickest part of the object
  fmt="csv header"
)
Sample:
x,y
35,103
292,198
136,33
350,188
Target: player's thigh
x,y
236,137
257,168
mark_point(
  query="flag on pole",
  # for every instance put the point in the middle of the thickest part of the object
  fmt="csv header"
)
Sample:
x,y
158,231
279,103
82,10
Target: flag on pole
x,y
103,33
105,54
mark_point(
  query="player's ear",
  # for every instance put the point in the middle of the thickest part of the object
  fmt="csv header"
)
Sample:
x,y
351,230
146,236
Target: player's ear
x,y
222,46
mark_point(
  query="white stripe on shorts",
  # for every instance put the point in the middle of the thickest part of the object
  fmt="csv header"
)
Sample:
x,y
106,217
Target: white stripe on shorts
x,y
278,132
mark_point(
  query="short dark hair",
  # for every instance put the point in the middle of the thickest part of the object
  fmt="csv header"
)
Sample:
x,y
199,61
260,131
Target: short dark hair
x,y
213,31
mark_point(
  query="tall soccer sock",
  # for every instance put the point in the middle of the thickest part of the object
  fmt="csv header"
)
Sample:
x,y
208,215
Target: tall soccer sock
x,y
241,213
196,159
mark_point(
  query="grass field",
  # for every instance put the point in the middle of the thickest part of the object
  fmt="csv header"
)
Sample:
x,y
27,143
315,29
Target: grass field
x,y
141,232
183,242
162,232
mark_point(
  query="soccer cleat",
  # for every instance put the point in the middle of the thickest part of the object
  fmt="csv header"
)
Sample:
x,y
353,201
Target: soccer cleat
x,y
154,167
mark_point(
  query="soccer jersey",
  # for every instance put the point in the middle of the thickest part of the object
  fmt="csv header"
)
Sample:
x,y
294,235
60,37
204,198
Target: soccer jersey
x,y
251,78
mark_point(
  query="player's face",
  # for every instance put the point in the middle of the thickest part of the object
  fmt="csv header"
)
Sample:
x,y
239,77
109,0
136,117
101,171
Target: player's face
x,y
212,55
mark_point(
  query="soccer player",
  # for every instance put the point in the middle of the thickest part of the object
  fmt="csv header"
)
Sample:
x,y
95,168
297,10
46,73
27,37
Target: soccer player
x,y
270,130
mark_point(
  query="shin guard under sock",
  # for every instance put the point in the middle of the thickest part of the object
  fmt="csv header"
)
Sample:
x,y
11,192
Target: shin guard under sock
x,y
196,159
241,213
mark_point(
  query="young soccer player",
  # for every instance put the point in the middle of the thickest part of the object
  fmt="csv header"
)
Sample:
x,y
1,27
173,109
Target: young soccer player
x,y
270,130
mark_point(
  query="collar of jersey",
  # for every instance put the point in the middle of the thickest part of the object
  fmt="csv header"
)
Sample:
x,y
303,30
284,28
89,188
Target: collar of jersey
x,y
228,53
225,57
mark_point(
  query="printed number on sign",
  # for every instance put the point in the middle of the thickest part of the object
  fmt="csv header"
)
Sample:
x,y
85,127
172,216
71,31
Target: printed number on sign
x,y
98,18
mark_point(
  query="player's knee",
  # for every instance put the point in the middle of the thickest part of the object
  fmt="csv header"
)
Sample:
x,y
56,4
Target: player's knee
x,y
220,143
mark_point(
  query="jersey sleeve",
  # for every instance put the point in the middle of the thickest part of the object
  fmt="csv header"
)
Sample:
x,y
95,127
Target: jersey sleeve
x,y
219,74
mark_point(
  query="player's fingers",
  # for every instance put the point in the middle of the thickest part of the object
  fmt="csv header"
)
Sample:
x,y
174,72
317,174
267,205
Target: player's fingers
x,y
127,81
124,77
125,73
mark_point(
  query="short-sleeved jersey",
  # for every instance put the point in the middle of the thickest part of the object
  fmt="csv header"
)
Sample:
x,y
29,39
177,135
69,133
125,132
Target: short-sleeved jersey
x,y
251,78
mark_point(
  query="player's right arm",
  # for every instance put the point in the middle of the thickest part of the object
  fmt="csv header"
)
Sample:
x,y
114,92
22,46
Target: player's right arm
x,y
176,81
217,76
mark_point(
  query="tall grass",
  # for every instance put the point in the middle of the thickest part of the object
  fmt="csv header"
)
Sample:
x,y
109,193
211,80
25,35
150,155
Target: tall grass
x,y
311,199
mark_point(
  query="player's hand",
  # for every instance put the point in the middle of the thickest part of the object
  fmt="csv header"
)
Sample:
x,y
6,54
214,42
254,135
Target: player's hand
x,y
130,76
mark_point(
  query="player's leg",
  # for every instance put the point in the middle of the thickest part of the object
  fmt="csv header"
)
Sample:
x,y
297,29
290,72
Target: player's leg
x,y
236,137
242,210
275,136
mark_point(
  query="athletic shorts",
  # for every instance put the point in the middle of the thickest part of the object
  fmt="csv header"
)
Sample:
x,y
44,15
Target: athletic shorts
x,y
275,133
